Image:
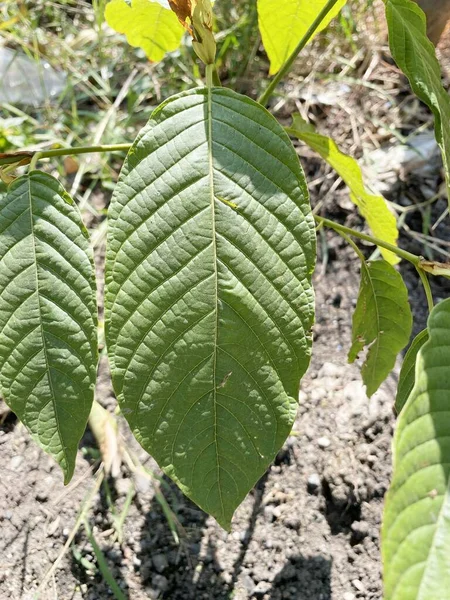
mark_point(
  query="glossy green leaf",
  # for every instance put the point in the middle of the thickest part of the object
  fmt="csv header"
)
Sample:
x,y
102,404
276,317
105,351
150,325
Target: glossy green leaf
x,y
209,305
415,55
48,331
373,208
416,528
382,322
283,23
408,371
147,25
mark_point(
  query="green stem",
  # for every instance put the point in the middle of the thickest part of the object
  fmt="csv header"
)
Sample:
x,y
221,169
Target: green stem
x,y
210,76
67,152
426,287
354,246
84,150
216,78
341,229
263,99
34,160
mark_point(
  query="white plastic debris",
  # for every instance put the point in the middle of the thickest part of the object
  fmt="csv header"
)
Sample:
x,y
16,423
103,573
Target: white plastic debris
x,y
27,82
329,94
420,154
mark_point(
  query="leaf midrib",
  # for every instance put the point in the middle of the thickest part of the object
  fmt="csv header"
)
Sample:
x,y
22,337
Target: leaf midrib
x,y
216,286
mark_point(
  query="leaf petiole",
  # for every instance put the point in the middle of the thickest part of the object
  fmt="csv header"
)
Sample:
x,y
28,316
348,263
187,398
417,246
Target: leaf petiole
x,y
341,229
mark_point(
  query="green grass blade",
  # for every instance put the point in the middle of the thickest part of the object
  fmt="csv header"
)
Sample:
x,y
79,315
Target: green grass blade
x,y
103,565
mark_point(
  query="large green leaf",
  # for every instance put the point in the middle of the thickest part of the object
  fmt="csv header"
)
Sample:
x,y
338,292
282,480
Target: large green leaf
x,y
373,208
382,321
48,332
147,25
416,529
416,57
209,305
283,23
408,372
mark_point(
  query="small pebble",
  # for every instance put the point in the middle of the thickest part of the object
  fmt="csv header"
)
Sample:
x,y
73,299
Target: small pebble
x,y
314,483
262,588
323,442
15,462
360,529
160,562
349,596
358,585
248,584
42,496
160,582
329,369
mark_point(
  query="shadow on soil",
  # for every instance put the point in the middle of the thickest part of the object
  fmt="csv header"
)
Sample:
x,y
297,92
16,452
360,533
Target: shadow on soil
x,y
192,571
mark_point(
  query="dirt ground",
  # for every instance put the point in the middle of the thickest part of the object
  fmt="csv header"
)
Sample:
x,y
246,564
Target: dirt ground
x,y
310,529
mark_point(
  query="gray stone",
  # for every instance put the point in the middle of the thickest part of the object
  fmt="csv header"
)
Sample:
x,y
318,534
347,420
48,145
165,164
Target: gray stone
x,y
160,582
358,585
329,369
262,588
323,442
248,584
360,529
314,483
15,462
160,562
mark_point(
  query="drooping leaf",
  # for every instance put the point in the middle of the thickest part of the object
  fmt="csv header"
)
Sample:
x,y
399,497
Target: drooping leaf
x,y
372,207
435,268
408,371
48,332
147,25
283,23
416,528
416,56
209,305
382,322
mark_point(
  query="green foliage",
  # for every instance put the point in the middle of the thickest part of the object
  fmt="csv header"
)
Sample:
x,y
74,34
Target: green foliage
x,y
209,306
416,57
283,23
416,531
382,321
48,339
147,25
373,208
408,372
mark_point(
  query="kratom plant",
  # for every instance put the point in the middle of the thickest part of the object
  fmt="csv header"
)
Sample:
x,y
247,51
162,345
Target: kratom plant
x,y
209,303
